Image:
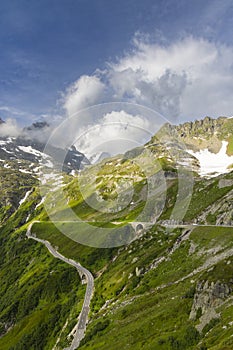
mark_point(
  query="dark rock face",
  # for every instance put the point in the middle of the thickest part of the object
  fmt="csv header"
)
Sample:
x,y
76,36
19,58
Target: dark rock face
x,y
1,121
210,294
74,159
33,151
221,290
205,126
207,298
37,126
207,133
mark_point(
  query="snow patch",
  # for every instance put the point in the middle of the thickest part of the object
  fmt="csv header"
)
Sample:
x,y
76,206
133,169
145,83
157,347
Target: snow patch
x,y
212,164
4,149
9,140
57,179
2,143
25,171
37,169
25,197
48,164
7,166
29,149
73,172
41,202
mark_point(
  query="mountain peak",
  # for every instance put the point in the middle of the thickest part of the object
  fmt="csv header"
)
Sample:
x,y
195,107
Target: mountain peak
x,y
37,125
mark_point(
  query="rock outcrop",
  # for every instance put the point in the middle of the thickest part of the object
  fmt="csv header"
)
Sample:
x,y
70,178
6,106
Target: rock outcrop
x,y
208,297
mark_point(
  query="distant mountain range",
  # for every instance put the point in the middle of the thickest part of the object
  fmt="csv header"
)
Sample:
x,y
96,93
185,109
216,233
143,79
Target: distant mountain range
x,y
207,146
27,154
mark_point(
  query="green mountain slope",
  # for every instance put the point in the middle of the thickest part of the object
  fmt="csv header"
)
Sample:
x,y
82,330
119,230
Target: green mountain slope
x,y
170,288
146,293
38,293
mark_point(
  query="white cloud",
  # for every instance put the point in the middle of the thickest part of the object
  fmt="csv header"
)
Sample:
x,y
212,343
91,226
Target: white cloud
x,y
183,80
6,109
186,79
114,133
154,60
9,109
10,128
85,92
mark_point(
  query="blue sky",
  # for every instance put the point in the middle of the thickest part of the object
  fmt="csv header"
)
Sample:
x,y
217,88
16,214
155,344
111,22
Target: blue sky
x,y
46,46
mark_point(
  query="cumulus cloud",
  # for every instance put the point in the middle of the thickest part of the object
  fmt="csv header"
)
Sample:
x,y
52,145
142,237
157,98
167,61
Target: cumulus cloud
x,y
186,79
114,133
83,93
10,128
162,94
182,80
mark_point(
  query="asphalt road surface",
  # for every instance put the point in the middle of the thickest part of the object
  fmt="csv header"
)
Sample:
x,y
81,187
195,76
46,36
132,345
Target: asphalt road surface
x,y
83,316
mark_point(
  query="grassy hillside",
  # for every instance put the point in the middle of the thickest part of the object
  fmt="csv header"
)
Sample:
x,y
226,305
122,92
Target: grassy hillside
x,y
38,293
152,311
144,292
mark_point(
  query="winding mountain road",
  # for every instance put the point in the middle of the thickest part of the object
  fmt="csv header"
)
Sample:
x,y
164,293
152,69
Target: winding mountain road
x,y
83,316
